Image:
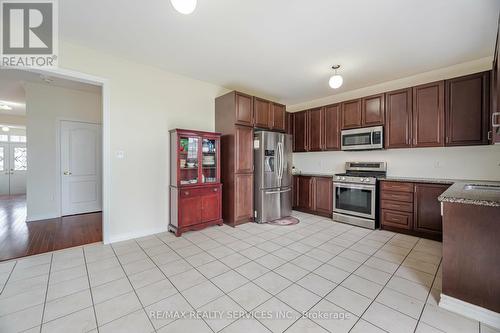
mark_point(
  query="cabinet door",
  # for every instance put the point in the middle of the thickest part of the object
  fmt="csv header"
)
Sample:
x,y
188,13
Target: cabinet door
x,y
398,106
323,195
315,129
427,208
278,117
351,114
244,149
428,115
396,219
300,131
189,209
305,193
244,109
262,113
373,110
467,110
243,196
211,206
289,123
331,127
495,105
295,193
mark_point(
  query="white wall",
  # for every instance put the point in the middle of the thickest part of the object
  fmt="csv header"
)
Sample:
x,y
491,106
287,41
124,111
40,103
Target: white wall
x,y
145,103
45,107
479,162
6,119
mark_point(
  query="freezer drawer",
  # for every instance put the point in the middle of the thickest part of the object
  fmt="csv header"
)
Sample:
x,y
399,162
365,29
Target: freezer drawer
x,y
272,204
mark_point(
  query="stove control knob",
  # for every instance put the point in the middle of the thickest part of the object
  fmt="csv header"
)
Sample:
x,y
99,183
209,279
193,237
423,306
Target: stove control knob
x,y
343,178
338,178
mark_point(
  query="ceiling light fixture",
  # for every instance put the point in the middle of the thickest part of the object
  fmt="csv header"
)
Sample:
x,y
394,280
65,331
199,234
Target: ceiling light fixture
x,y
5,128
184,6
46,79
5,107
336,80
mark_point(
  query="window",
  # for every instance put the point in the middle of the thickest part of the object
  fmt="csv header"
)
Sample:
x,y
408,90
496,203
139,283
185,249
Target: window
x,y
2,168
20,163
4,137
18,138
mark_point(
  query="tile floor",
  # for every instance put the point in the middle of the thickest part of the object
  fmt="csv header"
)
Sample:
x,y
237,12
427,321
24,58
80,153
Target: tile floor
x,y
317,276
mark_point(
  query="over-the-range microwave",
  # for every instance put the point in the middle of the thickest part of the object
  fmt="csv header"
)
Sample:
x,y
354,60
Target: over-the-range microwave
x,y
368,138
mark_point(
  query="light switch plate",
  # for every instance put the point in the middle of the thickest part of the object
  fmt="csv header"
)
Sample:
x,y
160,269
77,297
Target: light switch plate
x,y
120,154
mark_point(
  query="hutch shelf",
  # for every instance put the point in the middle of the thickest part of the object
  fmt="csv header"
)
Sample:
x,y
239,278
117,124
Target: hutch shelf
x,y
195,186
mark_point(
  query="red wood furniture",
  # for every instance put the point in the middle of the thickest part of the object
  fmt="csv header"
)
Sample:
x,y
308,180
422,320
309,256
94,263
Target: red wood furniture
x,y
195,186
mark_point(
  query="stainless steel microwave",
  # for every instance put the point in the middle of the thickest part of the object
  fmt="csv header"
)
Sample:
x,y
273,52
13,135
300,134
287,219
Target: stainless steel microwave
x,y
368,138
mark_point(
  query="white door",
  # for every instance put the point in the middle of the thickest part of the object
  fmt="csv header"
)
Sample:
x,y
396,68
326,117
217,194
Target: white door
x,y
18,167
4,169
81,167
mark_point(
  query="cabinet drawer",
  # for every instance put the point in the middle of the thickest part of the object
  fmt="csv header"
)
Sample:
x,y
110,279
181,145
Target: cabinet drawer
x,y
402,220
398,206
397,196
397,186
196,192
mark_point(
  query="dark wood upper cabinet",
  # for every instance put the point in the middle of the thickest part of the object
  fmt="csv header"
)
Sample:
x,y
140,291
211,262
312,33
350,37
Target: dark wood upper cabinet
x,y
300,131
468,110
332,127
262,113
373,110
427,209
315,129
323,195
243,157
495,105
278,117
351,114
398,105
244,109
428,115
289,123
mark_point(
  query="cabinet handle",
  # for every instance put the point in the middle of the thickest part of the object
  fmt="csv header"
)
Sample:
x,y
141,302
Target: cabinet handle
x,y
216,189
186,193
494,117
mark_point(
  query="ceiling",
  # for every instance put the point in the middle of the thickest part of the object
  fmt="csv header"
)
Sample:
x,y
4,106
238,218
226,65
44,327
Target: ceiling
x,y
12,88
283,49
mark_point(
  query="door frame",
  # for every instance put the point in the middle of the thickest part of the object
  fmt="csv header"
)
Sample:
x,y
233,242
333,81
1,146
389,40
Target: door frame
x,y
106,138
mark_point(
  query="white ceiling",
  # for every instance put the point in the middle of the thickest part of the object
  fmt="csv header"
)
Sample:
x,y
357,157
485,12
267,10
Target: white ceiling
x,y
12,88
283,49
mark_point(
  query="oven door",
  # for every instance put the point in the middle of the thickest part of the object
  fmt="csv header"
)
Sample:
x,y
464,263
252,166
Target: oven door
x,y
354,199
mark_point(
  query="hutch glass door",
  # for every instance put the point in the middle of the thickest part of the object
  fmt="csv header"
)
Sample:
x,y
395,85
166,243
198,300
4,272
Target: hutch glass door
x,y
188,160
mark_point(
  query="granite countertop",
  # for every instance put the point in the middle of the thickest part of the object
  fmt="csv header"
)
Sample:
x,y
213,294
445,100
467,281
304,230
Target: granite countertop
x,y
420,180
314,174
458,194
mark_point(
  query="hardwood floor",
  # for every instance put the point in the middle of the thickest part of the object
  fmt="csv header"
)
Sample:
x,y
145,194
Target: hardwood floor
x,y
19,239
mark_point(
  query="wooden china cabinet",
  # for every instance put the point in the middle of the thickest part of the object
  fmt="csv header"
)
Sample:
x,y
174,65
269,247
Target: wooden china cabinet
x,y
195,186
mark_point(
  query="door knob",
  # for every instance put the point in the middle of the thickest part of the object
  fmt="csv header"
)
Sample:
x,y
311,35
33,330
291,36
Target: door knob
x,y
67,173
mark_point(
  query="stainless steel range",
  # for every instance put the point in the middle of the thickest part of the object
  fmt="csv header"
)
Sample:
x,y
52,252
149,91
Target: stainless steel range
x,y
355,193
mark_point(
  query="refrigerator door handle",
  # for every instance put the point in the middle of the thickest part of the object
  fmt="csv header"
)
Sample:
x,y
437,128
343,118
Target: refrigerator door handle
x,y
280,162
279,191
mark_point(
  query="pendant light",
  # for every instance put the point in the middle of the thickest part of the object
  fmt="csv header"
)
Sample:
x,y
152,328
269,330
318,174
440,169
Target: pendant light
x,y
185,7
336,80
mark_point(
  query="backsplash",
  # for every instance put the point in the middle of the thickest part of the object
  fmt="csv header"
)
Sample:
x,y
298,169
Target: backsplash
x,y
478,162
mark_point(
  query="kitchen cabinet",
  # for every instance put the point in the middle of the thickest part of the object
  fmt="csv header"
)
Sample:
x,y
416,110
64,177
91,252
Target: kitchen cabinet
x,y
262,113
468,110
398,120
315,128
243,109
331,127
278,117
411,208
300,135
428,115
351,114
313,194
289,123
373,110
195,182
236,157
495,105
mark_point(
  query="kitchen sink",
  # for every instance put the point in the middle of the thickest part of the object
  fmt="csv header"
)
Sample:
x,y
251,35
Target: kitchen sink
x,y
473,187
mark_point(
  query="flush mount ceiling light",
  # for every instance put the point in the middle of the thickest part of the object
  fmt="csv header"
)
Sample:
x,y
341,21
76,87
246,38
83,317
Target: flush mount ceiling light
x,y
46,79
5,129
336,80
5,107
184,6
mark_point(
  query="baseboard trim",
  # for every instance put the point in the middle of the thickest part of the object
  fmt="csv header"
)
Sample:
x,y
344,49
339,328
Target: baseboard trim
x,y
469,310
42,217
135,234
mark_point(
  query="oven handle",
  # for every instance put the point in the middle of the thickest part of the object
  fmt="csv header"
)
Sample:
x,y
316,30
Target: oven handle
x,y
355,186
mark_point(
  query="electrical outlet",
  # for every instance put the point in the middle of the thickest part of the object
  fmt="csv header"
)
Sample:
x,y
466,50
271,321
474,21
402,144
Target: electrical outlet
x,y
120,154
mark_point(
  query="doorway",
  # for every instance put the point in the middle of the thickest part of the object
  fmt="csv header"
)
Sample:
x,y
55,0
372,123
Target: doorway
x,y
13,164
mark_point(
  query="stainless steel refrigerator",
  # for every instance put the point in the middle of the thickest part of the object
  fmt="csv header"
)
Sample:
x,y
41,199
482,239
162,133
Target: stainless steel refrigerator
x,y
273,176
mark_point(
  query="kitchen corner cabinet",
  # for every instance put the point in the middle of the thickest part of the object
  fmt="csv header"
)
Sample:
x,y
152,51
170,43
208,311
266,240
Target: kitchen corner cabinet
x,y
195,187
269,115
300,135
428,115
313,194
411,208
289,123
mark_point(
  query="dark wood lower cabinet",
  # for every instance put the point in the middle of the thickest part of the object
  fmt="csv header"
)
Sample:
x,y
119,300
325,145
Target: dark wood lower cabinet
x,y
412,208
313,195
